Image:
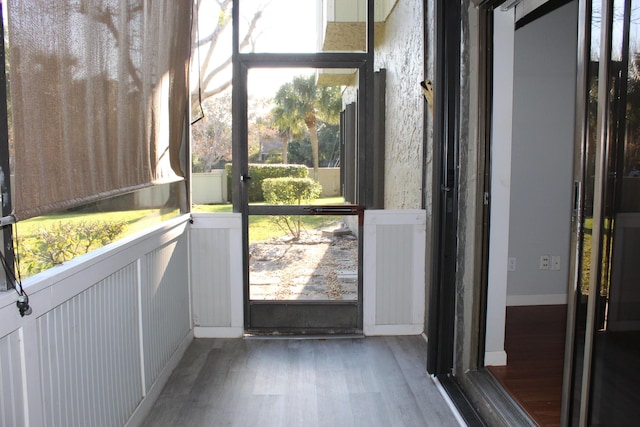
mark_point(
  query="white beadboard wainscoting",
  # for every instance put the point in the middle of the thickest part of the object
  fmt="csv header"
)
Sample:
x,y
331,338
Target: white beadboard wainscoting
x,y
216,275
106,331
394,276
393,272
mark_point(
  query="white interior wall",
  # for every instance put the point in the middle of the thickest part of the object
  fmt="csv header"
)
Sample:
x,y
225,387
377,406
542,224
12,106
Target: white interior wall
x,y
532,154
544,85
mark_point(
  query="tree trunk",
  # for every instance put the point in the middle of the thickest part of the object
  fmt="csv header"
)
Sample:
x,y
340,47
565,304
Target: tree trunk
x,y
313,134
285,148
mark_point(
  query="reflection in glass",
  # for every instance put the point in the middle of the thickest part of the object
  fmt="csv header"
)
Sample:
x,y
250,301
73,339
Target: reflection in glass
x,y
588,178
615,380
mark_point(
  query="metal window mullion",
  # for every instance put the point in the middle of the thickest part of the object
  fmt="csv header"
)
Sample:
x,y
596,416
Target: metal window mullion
x,y
598,205
317,60
581,140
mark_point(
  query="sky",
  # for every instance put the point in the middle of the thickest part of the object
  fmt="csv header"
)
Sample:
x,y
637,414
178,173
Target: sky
x,y
286,26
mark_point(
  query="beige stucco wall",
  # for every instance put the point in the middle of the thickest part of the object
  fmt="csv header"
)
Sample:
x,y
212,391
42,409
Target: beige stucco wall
x,y
400,52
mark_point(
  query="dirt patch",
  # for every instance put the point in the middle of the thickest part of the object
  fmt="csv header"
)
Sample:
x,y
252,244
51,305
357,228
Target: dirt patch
x,y
321,265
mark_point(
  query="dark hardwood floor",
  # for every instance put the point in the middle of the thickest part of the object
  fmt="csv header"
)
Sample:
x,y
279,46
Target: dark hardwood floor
x,y
373,381
534,342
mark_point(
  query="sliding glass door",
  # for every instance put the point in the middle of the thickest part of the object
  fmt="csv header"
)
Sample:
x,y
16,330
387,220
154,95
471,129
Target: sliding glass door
x,y
605,382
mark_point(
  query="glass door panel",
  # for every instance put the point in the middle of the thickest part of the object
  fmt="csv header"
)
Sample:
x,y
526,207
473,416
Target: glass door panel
x,y
615,386
606,384
584,217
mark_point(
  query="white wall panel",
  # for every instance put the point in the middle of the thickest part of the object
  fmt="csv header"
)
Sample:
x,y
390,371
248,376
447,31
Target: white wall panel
x,y
11,390
89,355
216,275
212,300
165,304
394,276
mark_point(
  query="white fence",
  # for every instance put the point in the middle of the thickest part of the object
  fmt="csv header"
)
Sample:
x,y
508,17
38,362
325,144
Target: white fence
x,y
211,187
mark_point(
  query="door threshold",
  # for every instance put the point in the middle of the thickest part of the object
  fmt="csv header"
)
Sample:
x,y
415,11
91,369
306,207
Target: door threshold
x,y
301,335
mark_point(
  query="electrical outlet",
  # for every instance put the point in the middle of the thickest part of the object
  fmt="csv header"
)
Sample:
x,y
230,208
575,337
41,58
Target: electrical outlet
x,y
555,262
511,266
545,260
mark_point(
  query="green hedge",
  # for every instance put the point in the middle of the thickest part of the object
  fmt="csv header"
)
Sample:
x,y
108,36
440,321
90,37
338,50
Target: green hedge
x,y
290,191
259,172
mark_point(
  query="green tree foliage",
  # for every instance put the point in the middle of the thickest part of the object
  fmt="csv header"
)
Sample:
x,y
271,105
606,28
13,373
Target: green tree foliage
x,y
290,191
284,118
328,147
64,241
304,102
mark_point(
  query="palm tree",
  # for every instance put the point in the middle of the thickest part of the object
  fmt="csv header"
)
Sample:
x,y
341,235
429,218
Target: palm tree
x,y
302,101
283,116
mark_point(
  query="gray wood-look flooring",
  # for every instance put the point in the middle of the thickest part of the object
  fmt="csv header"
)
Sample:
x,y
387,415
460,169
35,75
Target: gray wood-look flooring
x,y
373,381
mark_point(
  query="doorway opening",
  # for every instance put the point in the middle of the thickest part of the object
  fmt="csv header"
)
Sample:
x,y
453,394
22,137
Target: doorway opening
x,y
532,146
302,248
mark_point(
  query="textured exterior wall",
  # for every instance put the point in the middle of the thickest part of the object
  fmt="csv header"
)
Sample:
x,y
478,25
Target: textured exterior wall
x,y
401,52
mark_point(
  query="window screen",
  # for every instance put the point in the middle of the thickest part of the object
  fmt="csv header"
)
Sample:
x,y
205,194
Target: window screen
x,y
99,98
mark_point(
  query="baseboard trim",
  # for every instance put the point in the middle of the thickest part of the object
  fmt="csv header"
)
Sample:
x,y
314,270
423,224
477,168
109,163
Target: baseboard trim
x,y
377,330
495,358
549,299
217,332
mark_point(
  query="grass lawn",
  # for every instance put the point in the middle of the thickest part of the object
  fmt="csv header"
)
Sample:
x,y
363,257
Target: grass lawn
x,y
135,220
138,220
262,227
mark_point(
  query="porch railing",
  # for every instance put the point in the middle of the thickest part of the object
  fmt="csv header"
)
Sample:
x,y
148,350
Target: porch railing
x,y
105,331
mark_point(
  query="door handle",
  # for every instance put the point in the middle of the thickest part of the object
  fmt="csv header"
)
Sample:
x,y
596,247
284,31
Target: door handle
x,y
577,197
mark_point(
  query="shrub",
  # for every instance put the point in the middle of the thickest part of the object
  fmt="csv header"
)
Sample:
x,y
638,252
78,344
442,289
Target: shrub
x,y
63,241
260,172
290,191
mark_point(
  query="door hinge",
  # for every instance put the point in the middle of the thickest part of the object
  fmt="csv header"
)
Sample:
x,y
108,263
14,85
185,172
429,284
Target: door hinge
x,y
486,198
